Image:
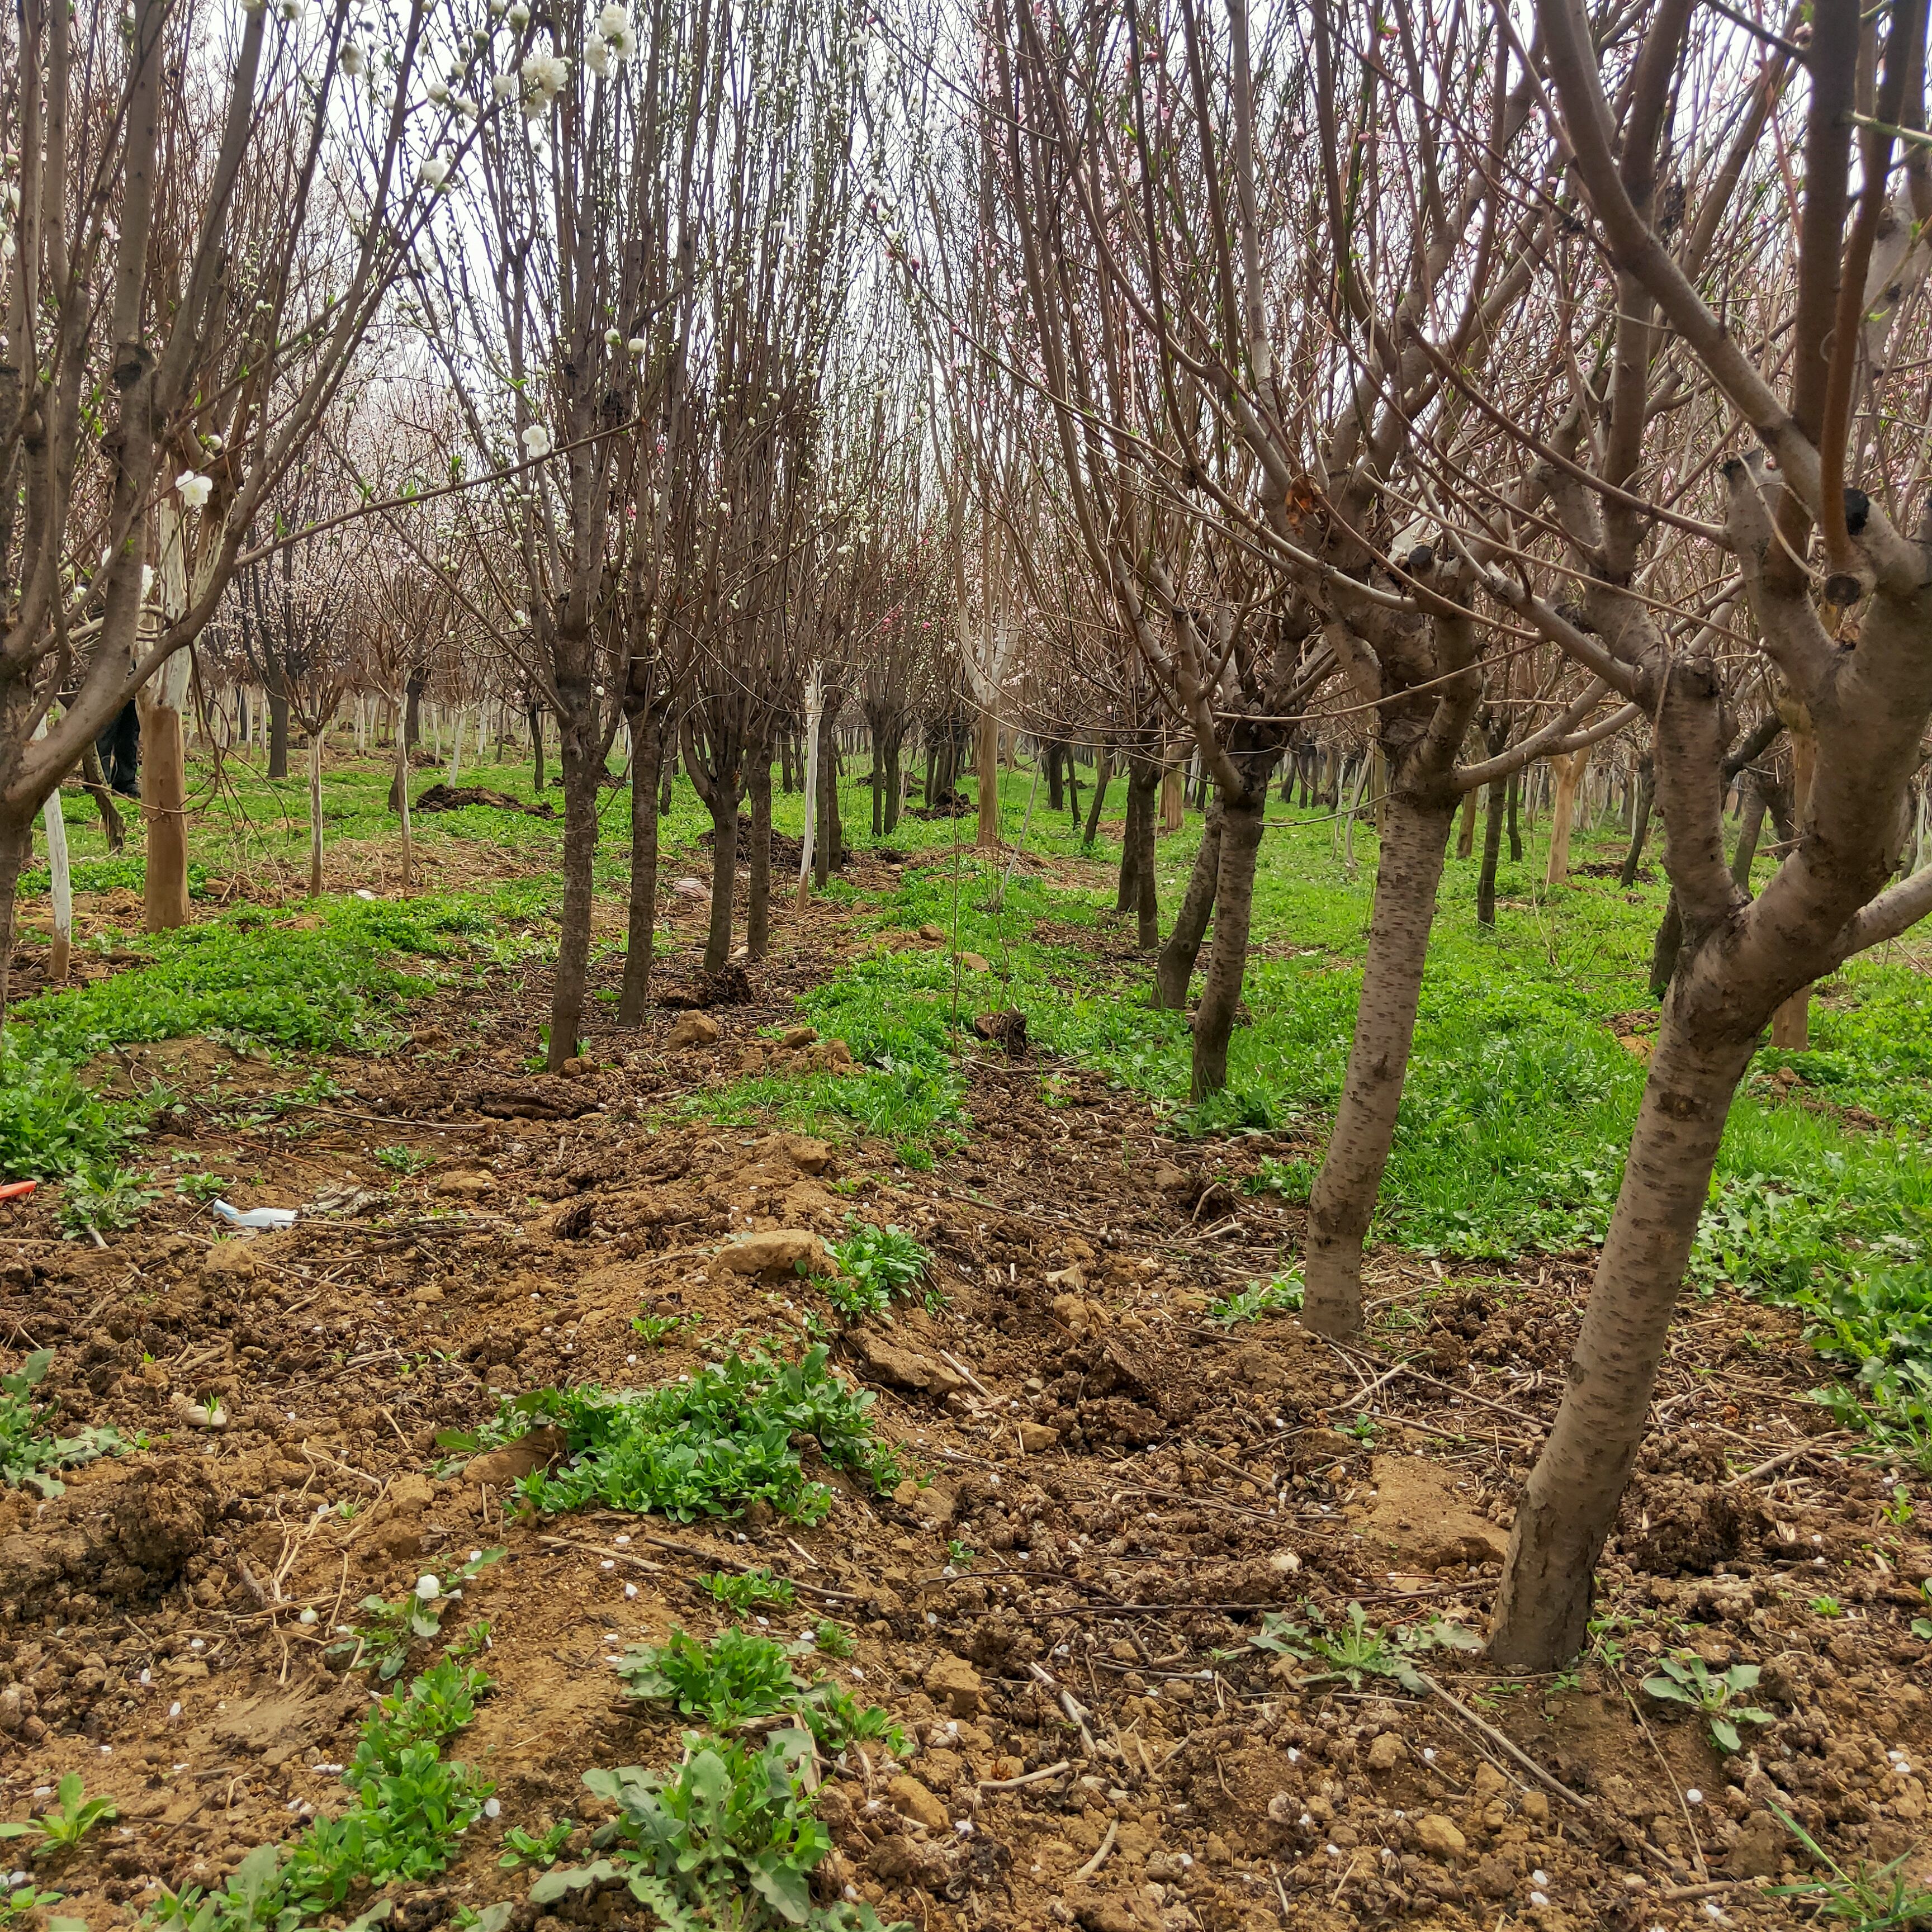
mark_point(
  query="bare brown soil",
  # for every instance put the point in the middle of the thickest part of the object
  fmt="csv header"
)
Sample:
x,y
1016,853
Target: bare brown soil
x,y
1137,1484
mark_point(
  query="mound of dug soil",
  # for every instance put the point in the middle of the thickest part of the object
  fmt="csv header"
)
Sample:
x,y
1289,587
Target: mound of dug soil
x,y
454,798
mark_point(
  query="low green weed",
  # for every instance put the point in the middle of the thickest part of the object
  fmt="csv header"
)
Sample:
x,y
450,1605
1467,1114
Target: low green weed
x,y
103,1200
27,1902
743,1590
1687,1679
707,1446
29,1452
1281,1296
737,1676
727,1840
1355,1650
1293,1181
66,1822
50,1124
657,1329
875,1265
535,1848
413,1807
403,1160
388,1636
834,1640
1880,1899
740,1676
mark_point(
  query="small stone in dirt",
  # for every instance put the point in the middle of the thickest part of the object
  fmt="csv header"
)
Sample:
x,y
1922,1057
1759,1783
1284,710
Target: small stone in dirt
x,y
536,1449
1495,1875
807,1155
399,1539
470,1184
900,1368
932,934
1756,1851
776,1251
952,1681
1115,1913
230,1258
1387,1752
693,1030
1168,1178
1438,1837
793,1038
974,963
578,1065
935,1506
910,1799
1036,1438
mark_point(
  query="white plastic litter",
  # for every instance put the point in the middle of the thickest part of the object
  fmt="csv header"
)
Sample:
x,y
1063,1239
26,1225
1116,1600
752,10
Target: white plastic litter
x,y
255,1217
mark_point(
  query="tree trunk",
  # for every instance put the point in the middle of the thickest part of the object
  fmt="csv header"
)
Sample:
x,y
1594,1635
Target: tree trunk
x,y
1136,890
1072,786
1103,774
95,780
1791,1024
278,735
895,783
758,902
16,840
535,714
1343,1202
987,757
1570,768
1147,895
647,738
724,804
1176,966
1646,801
878,787
1515,822
163,810
1751,825
1570,1502
1492,846
1240,843
830,850
1052,751
581,769
1665,948
1465,831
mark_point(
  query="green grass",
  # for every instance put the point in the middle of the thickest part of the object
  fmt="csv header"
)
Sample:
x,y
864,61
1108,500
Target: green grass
x,y
705,1445
1517,1112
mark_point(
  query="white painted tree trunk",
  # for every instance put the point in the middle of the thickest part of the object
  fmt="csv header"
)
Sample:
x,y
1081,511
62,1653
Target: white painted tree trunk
x,y
316,738
814,697
60,880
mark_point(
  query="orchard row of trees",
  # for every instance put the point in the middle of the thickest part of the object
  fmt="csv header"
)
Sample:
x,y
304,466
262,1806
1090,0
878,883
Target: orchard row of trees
x,y
1472,387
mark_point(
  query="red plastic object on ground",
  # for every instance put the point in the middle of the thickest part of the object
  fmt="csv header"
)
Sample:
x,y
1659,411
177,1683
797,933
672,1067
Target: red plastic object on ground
x,y
17,1190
